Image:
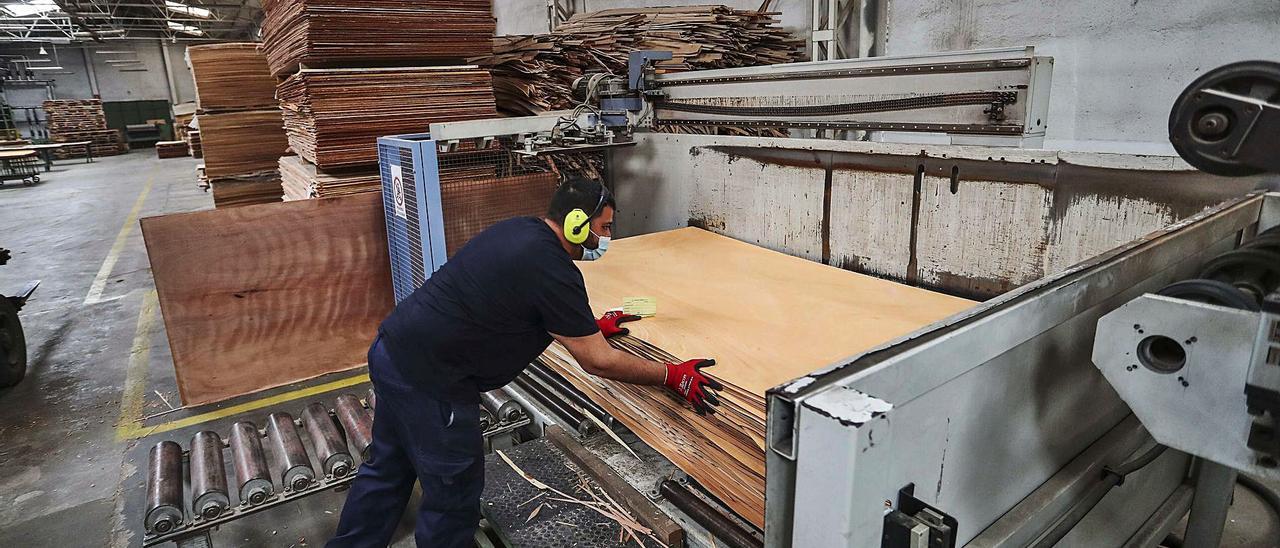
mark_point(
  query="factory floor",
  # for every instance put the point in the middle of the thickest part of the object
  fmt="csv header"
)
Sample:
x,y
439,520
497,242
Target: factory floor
x,y
99,390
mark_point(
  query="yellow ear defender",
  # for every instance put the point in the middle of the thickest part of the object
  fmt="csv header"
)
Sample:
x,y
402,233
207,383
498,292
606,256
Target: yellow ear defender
x,y
576,226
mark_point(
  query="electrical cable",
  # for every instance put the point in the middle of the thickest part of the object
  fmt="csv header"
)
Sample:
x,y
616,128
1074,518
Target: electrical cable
x,y
1268,497
1111,477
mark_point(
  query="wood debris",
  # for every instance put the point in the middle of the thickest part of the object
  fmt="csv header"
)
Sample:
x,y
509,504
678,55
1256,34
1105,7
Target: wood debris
x,y
533,74
231,76
334,116
356,33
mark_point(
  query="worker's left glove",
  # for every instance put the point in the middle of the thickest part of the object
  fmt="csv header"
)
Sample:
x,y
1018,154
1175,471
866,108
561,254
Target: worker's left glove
x,y
611,323
688,380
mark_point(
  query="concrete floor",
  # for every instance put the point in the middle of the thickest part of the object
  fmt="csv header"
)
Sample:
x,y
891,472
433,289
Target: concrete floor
x,y
74,434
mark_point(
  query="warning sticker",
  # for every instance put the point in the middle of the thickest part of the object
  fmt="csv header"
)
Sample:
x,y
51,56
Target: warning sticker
x,y
397,191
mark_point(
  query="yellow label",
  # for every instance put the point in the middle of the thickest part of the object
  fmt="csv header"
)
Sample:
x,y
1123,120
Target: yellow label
x,y
640,306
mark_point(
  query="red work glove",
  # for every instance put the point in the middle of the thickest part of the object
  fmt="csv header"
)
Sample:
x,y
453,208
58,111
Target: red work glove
x,y
688,381
610,323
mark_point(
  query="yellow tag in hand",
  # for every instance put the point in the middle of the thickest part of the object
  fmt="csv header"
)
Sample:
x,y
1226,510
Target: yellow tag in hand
x,y
640,306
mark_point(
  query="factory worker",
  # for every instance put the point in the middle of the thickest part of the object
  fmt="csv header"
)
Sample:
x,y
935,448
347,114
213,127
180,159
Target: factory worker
x,y
473,327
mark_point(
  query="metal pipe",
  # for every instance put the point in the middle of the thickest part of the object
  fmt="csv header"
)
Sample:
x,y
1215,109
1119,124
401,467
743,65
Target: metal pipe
x,y
253,476
576,420
164,488
1214,487
330,447
209,498
295,468
500,404
356,422
716,523
570,392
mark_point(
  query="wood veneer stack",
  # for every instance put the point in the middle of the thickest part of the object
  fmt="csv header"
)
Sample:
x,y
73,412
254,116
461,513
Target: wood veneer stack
x,y
301,180
369,33
532,74
194,143
334,116
231,77
172,149
241,133
74,120
764,321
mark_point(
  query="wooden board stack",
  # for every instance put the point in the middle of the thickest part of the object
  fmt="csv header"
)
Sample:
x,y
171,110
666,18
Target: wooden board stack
x,y
194,144
762,321
369,33
532,74
231,77
301,180
171,149
74,120
335,116
241,133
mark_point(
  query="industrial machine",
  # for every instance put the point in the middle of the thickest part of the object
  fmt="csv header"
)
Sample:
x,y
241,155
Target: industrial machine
x,y
13,343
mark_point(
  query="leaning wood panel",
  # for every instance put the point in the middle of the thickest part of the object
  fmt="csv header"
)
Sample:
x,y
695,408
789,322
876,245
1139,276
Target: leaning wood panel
x,y
765,317
262,296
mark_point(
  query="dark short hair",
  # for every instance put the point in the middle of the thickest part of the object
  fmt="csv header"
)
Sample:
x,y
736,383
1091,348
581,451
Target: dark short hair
x,y
579,193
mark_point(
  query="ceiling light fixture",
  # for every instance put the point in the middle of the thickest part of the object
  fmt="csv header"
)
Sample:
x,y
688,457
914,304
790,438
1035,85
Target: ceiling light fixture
x,y
44,68
32,7
187,29
178,7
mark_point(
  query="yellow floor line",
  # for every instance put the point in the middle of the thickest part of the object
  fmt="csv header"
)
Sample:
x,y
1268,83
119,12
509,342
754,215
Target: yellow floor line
x,y
135,380
109,264
135,430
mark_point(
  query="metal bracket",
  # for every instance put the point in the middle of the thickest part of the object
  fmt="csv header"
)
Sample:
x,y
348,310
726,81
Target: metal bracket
x,y
915,524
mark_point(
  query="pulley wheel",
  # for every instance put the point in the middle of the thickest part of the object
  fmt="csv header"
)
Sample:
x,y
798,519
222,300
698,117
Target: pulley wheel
x,y
1210,292
13,345
1267,241
1254,271
1200,126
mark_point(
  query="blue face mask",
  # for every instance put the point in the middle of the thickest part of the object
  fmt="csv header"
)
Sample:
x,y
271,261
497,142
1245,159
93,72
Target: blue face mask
x,y
595,254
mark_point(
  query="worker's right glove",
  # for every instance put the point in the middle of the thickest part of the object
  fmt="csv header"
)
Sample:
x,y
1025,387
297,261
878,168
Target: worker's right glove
x,y
610,323
688,380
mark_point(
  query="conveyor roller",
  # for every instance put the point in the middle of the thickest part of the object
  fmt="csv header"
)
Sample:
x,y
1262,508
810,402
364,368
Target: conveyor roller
x,y
209,497
501,405
253,477
164,488
295,468
331,448
356,422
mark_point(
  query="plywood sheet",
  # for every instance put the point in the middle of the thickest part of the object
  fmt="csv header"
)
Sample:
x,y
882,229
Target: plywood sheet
x,y
262,296
765,317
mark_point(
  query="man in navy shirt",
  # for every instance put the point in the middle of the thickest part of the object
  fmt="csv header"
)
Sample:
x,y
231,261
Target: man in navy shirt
x,y
475,325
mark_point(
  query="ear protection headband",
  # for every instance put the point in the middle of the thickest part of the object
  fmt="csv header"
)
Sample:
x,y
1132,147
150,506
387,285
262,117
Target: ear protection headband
x,y
576,222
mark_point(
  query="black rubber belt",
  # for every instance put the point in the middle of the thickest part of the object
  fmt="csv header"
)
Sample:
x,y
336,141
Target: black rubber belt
x,y
908,103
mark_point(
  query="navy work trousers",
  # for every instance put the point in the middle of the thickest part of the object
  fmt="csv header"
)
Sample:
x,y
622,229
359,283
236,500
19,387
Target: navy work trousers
x,y
415,438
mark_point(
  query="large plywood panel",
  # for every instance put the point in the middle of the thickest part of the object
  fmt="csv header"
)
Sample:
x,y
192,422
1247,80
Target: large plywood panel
x,y
775,206
262,296
871,222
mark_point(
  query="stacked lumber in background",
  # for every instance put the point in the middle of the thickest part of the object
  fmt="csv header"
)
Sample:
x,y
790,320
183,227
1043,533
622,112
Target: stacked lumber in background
x,y
762,323
240,131
302,180
231,77
370,33
172,149
75,120
334,116
194,144
533,74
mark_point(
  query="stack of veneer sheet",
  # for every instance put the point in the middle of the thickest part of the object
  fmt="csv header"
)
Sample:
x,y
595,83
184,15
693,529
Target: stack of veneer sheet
x,y
194,144
241,156
301,180
231,77
533,74
172,149
240,190
75,120
335,116
766,320
367,33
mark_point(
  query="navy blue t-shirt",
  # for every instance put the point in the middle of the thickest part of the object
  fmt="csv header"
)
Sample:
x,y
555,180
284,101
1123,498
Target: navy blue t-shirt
x,y
488,312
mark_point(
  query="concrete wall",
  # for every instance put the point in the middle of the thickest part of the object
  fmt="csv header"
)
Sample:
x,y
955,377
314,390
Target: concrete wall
x,y
1118,65
113,84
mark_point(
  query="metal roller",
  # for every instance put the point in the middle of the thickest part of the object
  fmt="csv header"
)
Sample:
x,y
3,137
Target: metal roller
x,y
356,422
486,419
295,468
209,496
164,488
501,405
331,448
253,476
